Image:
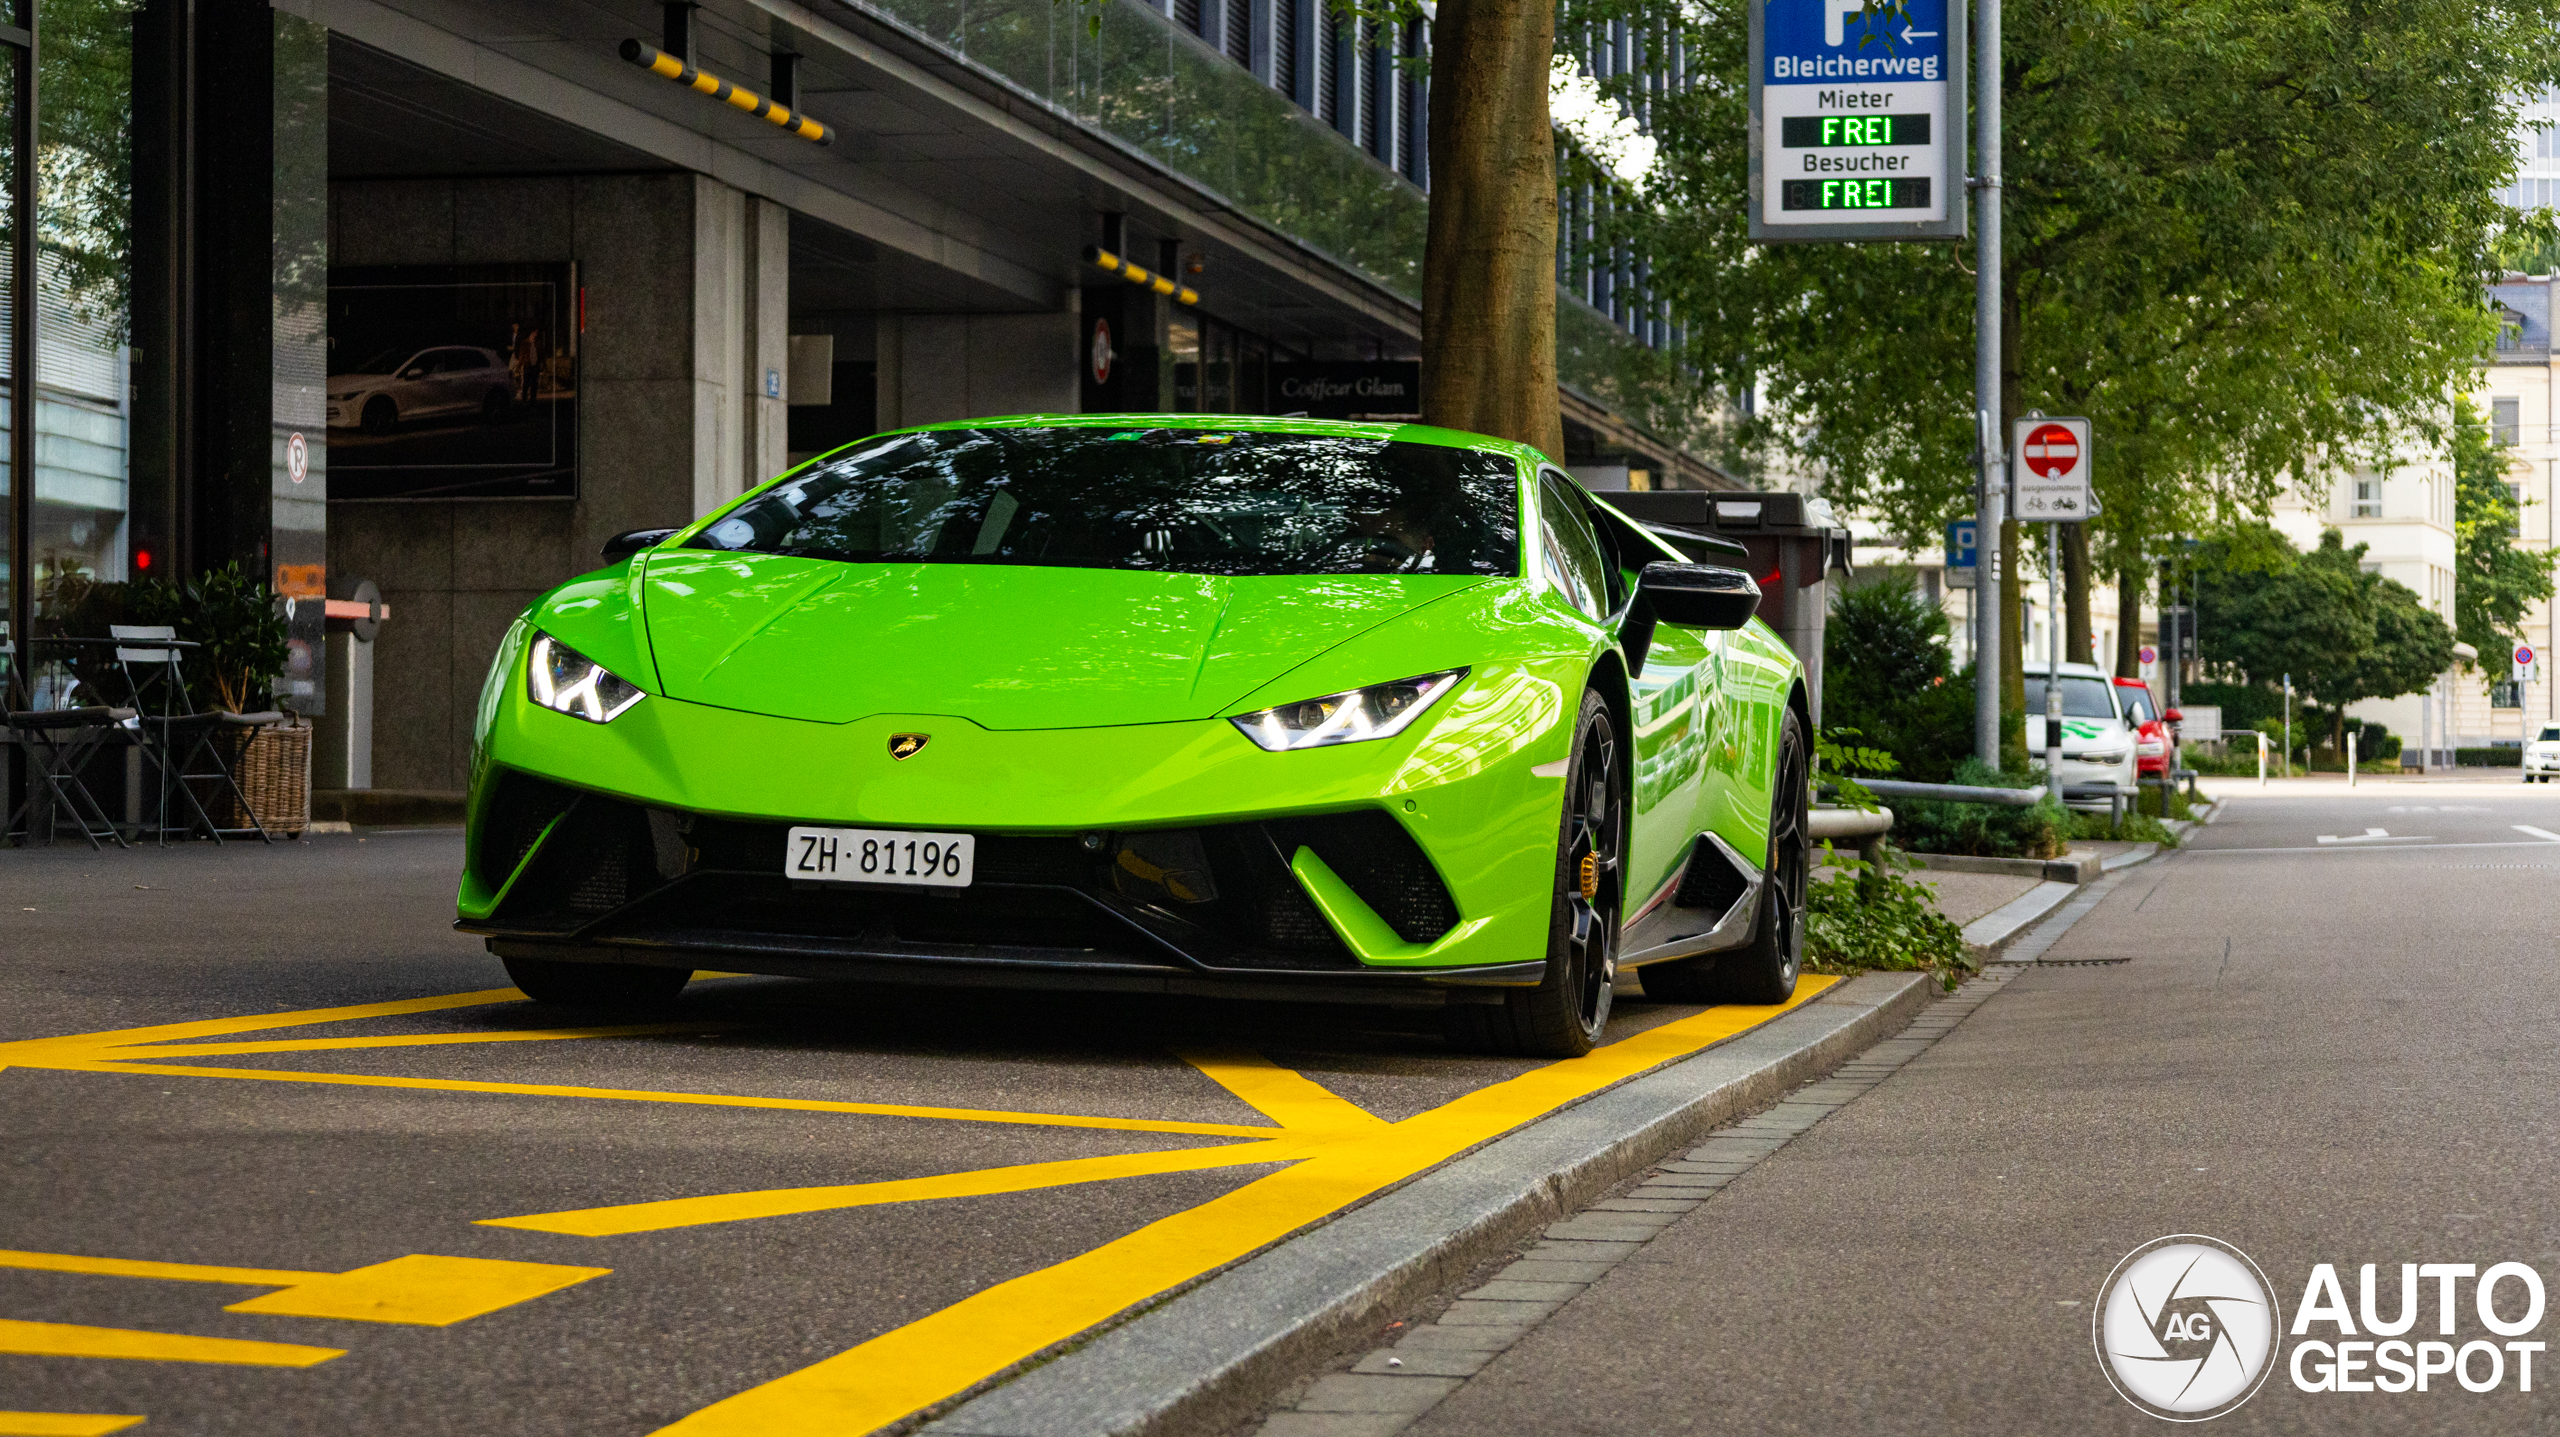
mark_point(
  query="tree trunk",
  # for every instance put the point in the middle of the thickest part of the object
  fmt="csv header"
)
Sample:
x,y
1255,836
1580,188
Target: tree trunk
x,y
1489,267
2078,643
2129,621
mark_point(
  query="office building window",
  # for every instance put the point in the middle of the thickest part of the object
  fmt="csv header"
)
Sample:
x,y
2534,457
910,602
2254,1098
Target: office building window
x,y
2506,421
2368,497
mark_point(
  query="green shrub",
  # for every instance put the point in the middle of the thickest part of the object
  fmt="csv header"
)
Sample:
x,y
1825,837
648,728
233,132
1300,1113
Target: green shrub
x,y
1863,916
1885,675
1924,825
2136,827
2501,756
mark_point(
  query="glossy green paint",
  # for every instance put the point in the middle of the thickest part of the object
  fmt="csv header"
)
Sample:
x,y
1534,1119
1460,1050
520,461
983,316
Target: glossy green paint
x,y
1006,647
1061,700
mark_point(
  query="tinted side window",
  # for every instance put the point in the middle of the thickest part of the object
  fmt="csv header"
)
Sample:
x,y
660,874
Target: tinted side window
x,y
1570,552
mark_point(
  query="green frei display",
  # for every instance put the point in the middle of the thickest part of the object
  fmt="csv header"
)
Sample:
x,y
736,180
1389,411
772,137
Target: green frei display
x,y
750,690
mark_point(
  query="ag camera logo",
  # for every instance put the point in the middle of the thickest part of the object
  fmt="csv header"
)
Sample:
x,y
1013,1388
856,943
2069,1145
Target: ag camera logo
x,y
2186,1327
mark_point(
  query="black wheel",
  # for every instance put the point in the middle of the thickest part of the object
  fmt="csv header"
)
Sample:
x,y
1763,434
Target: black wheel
x,y
494,407
1562,1016
1766,970
381,416
596,985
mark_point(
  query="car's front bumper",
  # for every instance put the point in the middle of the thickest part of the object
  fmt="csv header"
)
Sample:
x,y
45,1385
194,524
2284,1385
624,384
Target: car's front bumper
x,y
2545,762
659,838
2090,779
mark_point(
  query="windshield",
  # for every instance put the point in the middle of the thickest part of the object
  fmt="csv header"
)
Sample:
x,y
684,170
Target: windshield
x,y
2081,698
2137,703
2550,733
1179,500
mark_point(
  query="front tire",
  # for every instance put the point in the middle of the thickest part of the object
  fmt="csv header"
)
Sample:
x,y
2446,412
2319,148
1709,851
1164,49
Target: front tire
x,y
381,416
1563,1016
596,985
1766,971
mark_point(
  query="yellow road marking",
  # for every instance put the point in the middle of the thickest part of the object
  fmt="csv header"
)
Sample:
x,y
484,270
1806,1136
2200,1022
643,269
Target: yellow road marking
x,y
63,1424
61,1339
415,1040
644,1095
778,1202
1291,1099
165,1271
1303,1108
422,1290
215,1027
950,1351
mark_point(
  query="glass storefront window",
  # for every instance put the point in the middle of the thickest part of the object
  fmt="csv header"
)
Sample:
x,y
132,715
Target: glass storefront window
x,y
84,248
1183,342
1175,99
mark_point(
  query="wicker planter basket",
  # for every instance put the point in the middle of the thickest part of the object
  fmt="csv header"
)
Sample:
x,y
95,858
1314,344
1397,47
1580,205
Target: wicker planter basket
x,y
272,765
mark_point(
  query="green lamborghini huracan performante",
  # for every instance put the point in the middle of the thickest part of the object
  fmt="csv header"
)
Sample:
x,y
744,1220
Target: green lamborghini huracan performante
x,y
1197,704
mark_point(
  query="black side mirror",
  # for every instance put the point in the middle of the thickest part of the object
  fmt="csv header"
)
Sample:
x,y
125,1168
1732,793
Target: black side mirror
x,y
632,541
1694,596
1699,596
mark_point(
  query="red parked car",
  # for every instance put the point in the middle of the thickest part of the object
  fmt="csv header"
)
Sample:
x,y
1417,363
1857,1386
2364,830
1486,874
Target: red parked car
x,y
2153,744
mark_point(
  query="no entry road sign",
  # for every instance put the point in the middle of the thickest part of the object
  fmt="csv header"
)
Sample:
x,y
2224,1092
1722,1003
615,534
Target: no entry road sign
x,y
2049,466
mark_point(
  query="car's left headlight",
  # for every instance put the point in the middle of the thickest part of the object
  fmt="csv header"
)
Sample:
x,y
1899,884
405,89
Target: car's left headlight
x,y
2099,755
1378,711
563,680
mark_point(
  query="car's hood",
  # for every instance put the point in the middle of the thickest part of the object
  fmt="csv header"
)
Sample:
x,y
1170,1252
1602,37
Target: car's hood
x,y
335,380
1004,646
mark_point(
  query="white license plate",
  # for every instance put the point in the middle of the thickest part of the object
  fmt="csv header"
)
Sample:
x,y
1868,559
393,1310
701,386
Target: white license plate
x,y
881,855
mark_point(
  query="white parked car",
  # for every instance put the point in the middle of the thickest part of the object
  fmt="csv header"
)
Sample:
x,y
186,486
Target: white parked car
x,y
2542,754
402,384
2097,742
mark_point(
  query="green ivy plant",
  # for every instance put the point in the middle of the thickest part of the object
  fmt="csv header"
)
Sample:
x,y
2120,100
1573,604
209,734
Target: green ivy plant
x,y
1862,916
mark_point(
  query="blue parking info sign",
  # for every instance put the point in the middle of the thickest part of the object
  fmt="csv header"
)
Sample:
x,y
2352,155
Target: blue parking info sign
x,y
1961,550
1857,120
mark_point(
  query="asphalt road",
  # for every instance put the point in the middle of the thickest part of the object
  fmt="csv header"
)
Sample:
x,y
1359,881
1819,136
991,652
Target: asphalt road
x,y
259,1108
2330,1038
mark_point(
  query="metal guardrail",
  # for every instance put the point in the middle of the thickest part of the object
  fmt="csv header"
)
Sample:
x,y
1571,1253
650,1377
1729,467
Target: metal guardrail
x,y
1954,792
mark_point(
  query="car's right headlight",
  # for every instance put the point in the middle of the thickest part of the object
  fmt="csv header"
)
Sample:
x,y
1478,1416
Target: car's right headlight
x,y
563,680
1378,711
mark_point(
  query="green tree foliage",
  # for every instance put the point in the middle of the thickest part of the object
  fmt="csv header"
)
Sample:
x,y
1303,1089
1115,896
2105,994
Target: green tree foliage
x,y
1885,675
2495,583
2239,234
2266,612
84,165
2341,633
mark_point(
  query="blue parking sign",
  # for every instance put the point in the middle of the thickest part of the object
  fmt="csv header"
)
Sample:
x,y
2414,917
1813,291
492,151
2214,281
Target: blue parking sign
x,y
1960,545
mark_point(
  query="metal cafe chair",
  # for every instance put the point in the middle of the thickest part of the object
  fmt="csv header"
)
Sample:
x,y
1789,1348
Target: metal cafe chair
x,y
58,743
178,739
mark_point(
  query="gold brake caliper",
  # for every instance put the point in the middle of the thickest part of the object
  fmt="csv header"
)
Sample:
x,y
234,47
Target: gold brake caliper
x,y
1590,877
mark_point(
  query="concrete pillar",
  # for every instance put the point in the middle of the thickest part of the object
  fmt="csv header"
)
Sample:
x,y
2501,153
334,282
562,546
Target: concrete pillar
x,y
687,285
768,340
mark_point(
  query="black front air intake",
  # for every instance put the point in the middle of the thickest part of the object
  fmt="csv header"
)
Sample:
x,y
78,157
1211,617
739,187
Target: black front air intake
x,y
1219,896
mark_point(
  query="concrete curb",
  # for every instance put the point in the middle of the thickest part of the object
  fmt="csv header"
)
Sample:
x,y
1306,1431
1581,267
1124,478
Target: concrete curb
x,y
1219,1353
1988,935
2082,868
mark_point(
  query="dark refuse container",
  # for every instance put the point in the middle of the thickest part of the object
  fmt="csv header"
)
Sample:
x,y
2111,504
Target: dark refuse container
x,y
1792,544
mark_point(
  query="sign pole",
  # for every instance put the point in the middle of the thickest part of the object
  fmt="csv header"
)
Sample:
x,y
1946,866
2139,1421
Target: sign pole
x,y
2053,660
1991,424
